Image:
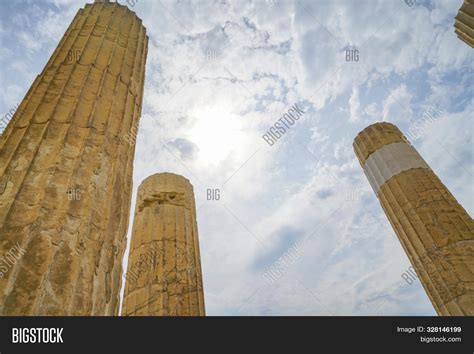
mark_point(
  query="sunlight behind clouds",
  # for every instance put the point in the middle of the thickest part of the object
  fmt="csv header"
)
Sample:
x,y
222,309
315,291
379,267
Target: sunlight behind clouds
x,y
227,134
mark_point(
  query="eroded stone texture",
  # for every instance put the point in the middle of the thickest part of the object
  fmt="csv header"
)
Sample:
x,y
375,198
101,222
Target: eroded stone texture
x,y
164,266
464,23
66,172
434,229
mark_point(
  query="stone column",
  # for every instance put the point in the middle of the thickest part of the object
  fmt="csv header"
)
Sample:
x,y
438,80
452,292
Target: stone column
x,y
66,170
464,23
164,266
435,231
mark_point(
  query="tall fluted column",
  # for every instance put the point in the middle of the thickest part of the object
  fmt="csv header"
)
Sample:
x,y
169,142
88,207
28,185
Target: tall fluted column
x,y
164,266
435,231
464,23
66,171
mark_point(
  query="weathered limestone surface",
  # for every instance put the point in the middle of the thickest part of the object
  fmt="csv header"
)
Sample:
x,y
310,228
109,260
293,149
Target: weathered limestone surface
x,y
66,172
434,229
164,266
464,22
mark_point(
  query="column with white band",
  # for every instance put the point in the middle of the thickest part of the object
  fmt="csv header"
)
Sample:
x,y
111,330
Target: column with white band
x,y
433,228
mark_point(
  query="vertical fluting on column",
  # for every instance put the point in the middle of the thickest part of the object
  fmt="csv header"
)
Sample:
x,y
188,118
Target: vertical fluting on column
x,y
66,171
164,265
464,23
434,229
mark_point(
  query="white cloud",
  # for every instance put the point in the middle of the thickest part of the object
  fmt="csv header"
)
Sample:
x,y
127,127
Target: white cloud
x,y
354,105
396,108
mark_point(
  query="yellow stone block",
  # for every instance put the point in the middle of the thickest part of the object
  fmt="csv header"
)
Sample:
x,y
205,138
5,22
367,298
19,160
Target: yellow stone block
x,y
67,169
434,229
164,266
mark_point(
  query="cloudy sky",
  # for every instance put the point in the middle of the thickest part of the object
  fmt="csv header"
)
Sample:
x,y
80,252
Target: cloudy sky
x,y
220,73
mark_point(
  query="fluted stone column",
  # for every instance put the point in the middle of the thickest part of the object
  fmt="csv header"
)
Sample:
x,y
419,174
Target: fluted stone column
x,y
164,266
435,231
66,171
464,23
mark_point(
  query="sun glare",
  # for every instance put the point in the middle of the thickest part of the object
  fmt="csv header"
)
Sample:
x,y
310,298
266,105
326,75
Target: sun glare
x,y
217,133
